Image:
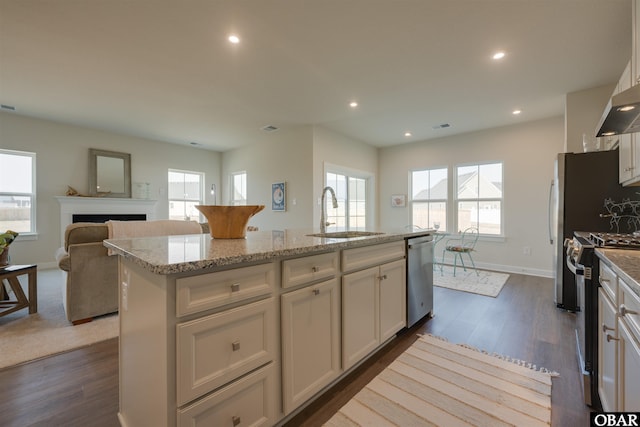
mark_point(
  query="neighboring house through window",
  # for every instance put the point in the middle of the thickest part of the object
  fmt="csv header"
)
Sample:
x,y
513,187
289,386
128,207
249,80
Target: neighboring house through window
x,y
479,198
18,191
429,198
186,190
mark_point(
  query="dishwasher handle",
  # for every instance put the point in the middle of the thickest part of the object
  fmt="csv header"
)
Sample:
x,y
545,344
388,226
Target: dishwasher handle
x,y
417,241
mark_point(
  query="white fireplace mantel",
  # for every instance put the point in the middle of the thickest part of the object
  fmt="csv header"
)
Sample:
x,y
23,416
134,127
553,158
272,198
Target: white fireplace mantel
x,y
101,205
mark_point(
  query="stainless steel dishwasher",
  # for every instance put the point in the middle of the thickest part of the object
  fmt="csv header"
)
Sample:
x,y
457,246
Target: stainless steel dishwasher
x,y
419,278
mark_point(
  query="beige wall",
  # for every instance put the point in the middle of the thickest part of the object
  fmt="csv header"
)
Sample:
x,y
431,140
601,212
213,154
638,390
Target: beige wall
x,y
583,110
285,155
527,151
333,148
62,159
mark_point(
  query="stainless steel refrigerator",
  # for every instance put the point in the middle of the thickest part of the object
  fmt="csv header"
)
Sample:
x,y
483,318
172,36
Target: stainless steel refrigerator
x,y
580,186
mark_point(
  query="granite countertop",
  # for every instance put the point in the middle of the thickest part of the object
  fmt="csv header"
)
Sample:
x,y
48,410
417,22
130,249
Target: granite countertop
x,y
178,254
625,263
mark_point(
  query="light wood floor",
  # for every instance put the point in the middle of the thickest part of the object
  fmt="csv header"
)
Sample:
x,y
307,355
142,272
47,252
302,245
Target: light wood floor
x,y
80,388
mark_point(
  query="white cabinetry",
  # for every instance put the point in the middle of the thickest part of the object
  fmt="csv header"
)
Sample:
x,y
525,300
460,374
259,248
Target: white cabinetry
x,y
373,299
629,350
608,353
629,144
618,344
198,350
310,341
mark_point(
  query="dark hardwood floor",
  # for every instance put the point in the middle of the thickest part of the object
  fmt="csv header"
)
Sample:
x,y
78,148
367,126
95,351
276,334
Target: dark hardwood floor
x,y
80,388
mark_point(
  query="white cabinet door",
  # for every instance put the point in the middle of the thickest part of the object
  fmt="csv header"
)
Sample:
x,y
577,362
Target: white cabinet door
x,y
393,299
310,341
626,155
608,351
374,308
360,326
629,374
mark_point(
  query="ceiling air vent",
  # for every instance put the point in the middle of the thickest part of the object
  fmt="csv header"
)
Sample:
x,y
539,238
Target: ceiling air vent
x,y
269,128
441,126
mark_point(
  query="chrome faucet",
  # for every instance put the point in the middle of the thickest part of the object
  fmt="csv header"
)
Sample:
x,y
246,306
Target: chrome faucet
x,y
323,215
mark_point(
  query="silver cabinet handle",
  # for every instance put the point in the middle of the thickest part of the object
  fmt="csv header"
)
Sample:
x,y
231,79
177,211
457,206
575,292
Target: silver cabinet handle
x,y
605,328
383,277
315,269
235,346
316,291
610,338
624,311
603,280
235,287
235,420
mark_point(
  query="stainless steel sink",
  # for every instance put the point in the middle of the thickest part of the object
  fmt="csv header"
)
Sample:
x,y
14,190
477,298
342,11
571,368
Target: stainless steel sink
x,y
345,234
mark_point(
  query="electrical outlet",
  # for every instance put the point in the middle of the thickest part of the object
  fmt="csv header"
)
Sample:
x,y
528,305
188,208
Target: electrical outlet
x,y
526,250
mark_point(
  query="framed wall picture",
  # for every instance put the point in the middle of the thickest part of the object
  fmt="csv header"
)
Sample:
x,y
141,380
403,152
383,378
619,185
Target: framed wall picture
x,y
279,196
398,201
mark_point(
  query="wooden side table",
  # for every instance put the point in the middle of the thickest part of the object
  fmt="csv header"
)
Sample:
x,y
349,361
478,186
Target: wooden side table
x,y
10,273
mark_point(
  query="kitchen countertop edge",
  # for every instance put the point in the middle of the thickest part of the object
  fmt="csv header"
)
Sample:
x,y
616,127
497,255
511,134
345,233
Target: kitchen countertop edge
x,y
625,263
154,253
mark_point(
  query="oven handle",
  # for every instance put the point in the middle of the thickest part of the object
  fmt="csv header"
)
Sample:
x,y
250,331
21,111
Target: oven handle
x,y
573,268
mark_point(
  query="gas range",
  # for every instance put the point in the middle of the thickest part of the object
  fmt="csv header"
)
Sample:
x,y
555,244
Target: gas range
x,y
615,240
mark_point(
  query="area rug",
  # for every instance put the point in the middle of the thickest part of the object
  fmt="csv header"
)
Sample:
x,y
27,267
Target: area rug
x,y
26,337
487,283
436,383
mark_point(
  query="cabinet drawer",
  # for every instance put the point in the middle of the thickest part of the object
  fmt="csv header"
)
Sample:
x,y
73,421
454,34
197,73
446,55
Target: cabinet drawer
x,y
207,291
609,281
216,349
309,269
629,309
249,401
367,256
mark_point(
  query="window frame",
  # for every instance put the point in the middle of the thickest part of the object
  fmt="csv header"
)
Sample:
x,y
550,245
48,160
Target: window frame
x,y
456,200
33,194
199,200
446,200
232,188
369,179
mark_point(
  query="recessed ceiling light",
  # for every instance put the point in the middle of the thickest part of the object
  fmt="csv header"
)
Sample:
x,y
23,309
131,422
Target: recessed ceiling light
x,y
516,112
353,104
626,108
498,55
234,39
407,134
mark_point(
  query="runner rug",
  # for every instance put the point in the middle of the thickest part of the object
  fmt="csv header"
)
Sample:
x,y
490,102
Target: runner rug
x,y
436,383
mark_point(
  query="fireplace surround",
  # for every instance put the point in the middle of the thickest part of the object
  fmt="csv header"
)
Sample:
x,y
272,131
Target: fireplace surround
x,y
108,208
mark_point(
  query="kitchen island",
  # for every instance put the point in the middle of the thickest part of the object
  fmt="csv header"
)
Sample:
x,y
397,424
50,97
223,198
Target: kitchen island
x,y
249,331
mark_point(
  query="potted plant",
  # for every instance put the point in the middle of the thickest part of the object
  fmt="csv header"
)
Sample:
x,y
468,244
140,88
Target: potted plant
x,y
5,240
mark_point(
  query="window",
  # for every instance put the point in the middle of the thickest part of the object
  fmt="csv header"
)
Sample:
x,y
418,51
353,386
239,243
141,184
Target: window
x,y
479,197
351,190
238,188
18,191
186,190
429,190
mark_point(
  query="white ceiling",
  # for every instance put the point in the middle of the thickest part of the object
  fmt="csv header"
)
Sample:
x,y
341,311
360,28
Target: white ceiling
x,y
163,69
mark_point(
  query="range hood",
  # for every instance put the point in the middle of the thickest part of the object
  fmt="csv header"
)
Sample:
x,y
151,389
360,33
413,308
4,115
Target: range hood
x,y
622,114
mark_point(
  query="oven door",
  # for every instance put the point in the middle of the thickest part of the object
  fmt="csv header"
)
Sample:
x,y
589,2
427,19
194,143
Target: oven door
x,y
578,271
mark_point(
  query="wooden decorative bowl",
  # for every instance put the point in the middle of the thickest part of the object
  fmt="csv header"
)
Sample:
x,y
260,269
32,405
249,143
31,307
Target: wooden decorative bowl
x,y
228,222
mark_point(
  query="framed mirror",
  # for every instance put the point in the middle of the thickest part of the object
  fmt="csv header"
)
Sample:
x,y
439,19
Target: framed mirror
x,y
109,173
